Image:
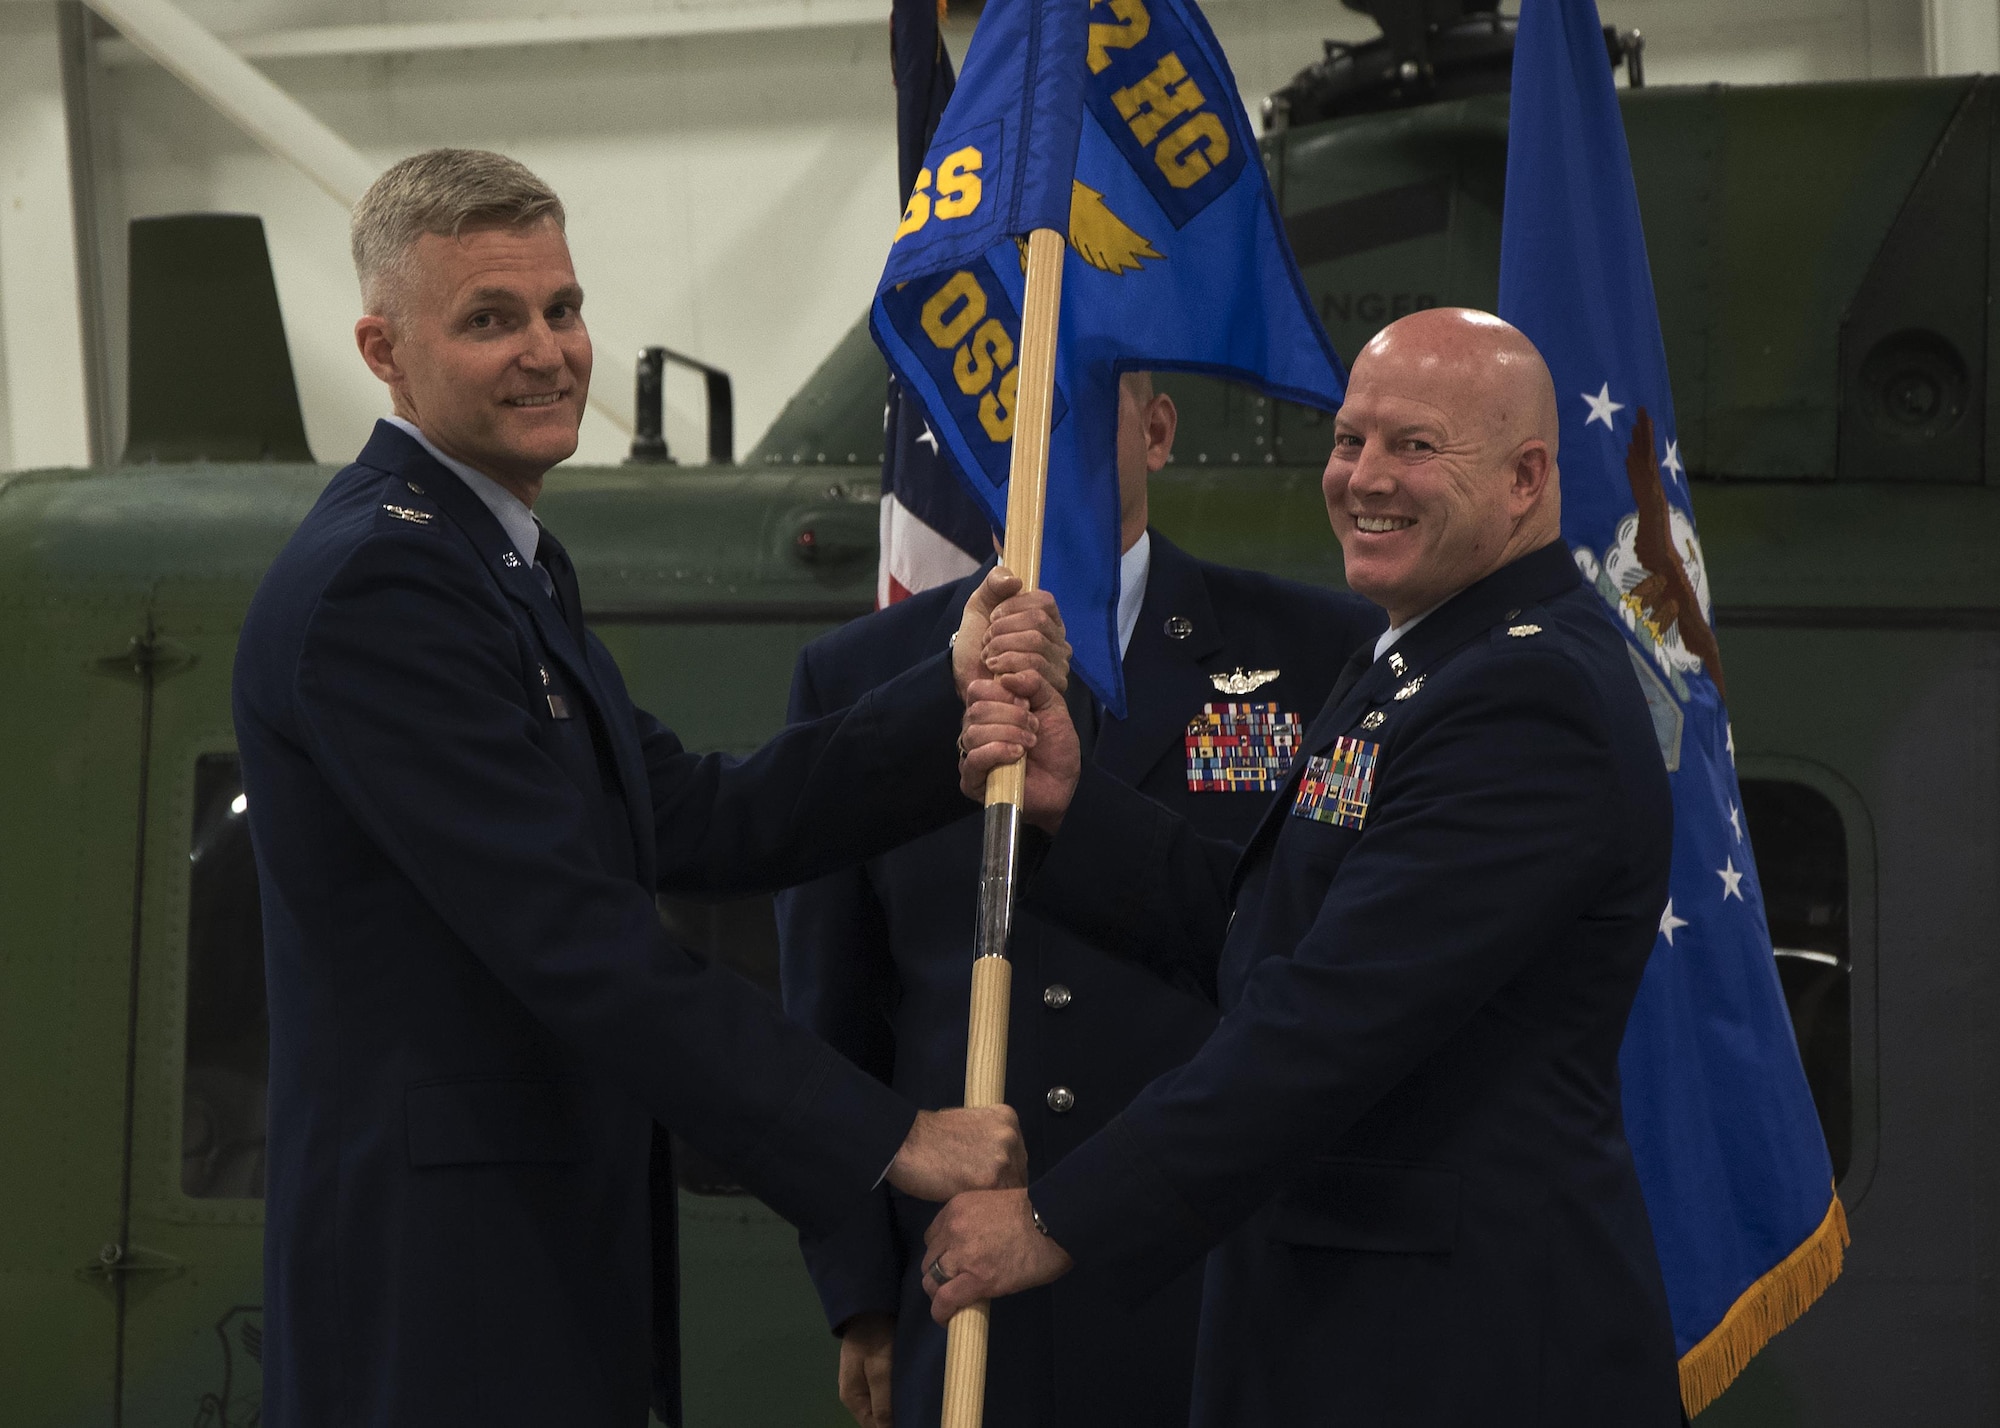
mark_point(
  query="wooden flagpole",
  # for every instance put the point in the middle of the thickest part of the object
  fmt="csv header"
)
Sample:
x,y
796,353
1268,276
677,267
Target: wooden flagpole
x,y
992,974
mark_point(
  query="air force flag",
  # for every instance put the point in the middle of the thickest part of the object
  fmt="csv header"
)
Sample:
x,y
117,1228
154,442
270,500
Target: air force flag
x,y
1729,1150
1118,123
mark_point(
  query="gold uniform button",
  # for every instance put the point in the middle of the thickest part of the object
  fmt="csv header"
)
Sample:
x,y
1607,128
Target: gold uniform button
x,y
1055,996
1061,1100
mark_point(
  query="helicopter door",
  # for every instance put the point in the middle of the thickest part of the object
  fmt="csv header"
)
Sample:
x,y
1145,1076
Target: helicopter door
x,y
191,1335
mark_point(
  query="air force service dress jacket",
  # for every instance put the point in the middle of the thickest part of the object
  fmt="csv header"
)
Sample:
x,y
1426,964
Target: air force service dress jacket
x,y
1403,1142
878,959
459,820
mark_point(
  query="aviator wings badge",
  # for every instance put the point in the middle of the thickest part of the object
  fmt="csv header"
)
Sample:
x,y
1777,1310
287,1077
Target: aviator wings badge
x,y
1242,681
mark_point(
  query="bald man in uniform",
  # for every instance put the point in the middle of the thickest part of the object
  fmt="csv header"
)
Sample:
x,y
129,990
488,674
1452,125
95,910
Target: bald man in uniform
x,y
1402,1150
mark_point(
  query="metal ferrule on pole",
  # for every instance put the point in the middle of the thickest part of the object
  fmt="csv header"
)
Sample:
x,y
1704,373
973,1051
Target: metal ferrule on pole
x,y
998,858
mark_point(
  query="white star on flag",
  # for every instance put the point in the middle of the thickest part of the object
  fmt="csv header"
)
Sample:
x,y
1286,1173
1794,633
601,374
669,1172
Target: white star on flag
x,y
1731,880
1735,822
1601,406
1668,922
1673,461
929,438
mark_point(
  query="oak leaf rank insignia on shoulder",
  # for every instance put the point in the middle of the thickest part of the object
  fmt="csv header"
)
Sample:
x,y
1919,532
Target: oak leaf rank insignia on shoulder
x,y
1336,786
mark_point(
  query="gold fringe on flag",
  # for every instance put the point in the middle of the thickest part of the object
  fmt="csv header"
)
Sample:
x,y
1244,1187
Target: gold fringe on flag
x,y
1767,1306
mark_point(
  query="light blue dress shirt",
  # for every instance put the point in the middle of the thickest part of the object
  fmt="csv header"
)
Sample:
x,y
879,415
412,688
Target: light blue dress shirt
x,y
513,514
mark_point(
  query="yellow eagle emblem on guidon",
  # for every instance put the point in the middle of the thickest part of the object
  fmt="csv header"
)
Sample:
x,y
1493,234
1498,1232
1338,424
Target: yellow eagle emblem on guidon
x,y
1101,238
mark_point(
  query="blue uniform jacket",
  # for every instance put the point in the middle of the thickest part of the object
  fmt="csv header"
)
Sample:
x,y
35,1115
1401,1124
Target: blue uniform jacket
x,y
878,959
1403,1143
476,1020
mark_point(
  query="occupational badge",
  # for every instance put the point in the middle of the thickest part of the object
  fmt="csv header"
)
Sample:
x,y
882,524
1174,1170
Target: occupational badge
x,y
1240,748
1242,681
1334,788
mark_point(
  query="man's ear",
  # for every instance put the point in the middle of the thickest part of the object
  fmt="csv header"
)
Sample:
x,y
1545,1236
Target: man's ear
x,y
1163,419
376,339
1532,472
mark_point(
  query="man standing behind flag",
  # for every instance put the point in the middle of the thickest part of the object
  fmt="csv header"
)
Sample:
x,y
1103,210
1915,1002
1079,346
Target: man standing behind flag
x,y
1220,666
1403,1142
1729,1149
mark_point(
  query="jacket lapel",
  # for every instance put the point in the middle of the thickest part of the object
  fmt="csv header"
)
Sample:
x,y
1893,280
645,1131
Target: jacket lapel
x,y
1164,677
1535,577
392,450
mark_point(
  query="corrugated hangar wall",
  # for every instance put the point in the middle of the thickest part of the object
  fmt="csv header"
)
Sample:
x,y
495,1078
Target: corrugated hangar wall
x,y
731,193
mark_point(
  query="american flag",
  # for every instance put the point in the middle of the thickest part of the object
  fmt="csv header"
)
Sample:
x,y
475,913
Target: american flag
x,y
933,531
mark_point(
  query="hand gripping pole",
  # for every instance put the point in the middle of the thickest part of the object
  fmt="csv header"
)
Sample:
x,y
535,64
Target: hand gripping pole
x,y
992,974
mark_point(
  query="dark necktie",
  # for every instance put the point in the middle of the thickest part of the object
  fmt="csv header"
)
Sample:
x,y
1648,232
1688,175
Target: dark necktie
x,y
1350,674
551,557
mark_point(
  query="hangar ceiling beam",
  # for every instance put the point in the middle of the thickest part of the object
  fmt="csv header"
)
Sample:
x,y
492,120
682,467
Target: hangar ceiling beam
x,y
680,21
168,36
239,91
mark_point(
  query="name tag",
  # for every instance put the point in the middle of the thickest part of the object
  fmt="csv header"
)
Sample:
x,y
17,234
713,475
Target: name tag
x,y
1240,748
558,706
1335,788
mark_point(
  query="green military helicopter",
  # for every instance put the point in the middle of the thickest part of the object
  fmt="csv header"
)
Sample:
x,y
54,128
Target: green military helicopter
x,y
1825,257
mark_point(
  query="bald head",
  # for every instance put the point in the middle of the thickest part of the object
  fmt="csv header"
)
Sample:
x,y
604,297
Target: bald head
x,y
1474,361
1444,461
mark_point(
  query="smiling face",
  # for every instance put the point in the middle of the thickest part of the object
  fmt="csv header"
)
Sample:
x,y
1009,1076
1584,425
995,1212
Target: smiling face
x,y
485,350
1443,463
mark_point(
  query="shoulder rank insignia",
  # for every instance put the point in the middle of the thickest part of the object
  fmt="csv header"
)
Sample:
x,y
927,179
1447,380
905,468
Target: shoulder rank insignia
x,y
1242,681
1521,632
1335,788
1411,688
1240,748
404,513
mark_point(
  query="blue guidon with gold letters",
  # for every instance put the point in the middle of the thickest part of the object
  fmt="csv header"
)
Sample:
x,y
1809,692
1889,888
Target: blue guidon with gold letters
x,y
1118,124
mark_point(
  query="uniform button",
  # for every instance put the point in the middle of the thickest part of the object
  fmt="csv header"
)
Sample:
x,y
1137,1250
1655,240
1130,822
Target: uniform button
x,y
1055,996
1061,1099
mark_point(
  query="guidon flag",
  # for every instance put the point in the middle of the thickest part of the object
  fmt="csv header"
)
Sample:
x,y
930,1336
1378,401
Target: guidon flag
x,y
1119,124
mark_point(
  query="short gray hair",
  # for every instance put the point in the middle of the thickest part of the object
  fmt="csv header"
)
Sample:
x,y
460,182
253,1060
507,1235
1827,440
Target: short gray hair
x,y
441,191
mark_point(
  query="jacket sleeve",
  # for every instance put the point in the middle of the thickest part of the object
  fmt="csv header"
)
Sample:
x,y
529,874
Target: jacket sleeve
x,y
410,696
822,794
839,979
1135,878
1489,833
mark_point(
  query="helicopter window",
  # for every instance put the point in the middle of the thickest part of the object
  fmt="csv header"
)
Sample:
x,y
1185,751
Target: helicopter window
x,y
742,934
228,1029
1801,849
